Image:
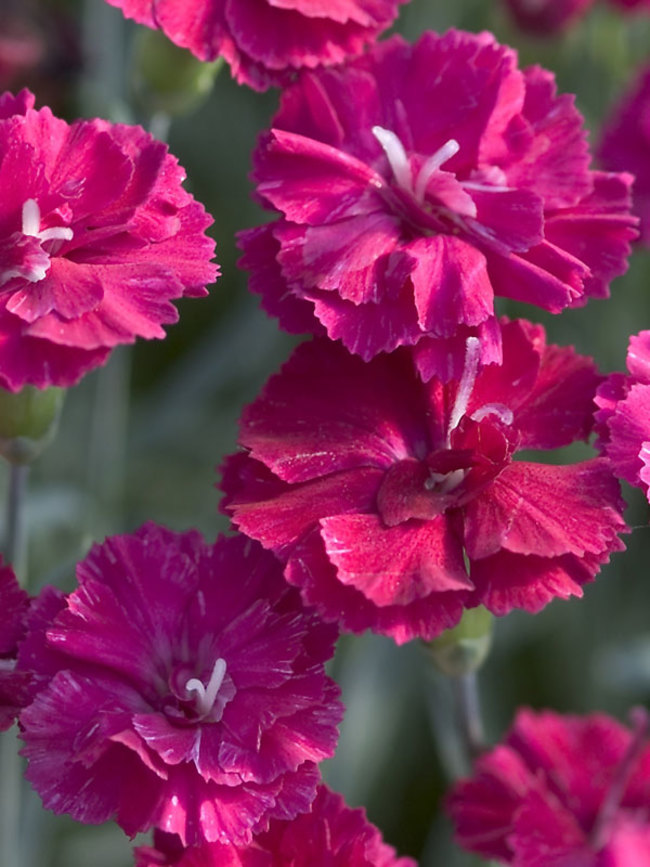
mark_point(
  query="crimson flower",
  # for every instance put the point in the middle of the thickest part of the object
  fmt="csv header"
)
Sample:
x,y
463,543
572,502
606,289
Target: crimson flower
x,y
180,686
560,792
547,17
14,604
398,503
623,417
266,41
97,236
626,143
418,182
329,835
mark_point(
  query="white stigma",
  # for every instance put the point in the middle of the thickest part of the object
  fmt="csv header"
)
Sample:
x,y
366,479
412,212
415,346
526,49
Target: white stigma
x,y
32,225
446,152
466,384
399,161
502,412
445,483
206,695
394,150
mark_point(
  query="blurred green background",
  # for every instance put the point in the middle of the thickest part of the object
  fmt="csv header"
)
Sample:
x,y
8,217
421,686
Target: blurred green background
x,y
141,439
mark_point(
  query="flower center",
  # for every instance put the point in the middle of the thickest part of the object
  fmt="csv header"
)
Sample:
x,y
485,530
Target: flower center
x,y
206,695
401,165
24,256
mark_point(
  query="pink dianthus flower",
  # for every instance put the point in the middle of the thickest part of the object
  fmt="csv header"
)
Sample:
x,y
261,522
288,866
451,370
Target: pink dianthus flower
x,y
180,686
398,503
266,42
14,604
623,417
418,182
329,835
626,145
560,792
97,236
546,17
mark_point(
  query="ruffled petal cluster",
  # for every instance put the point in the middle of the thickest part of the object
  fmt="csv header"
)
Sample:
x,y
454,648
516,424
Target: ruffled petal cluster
x,y
559,792
97,237
180,686
14,605
397,504
329,835
626,143
623,417
266,42
417,183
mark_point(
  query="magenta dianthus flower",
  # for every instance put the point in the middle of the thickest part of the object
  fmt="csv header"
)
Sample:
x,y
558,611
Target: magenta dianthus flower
x,y
418,182
398,503
180,686
560,792
623,417
547,17
626,144
97,236
14,604
329,835
266,42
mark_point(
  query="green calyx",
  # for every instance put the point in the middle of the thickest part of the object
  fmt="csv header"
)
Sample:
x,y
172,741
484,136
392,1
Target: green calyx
x,y
28,421
167,78
464,648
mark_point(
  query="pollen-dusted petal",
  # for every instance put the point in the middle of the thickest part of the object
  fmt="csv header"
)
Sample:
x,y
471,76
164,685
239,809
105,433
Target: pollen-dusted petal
x,y
395,565
546,510
291,427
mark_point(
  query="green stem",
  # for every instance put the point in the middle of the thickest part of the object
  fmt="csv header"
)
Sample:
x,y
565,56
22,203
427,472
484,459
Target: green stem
x,y
468,709
16,531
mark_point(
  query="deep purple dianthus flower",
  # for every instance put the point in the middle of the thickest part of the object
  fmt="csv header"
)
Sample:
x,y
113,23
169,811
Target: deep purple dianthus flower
x,y
560,792
180,686
397,504
623,417
97,236
14,604
329,835
266,42
626,145
547,17
416,184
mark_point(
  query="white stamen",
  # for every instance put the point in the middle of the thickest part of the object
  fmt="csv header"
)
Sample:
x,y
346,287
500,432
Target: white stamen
x,y
445,482
394,150
32,225
500,410
466,384
31,218
7,664
206,696
431,166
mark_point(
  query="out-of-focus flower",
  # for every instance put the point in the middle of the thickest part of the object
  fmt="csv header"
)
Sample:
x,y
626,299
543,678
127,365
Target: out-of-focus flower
x,y
623,418
267,41
626,145
546,17
398,503
21,49
330,835
560,792
418,182
180,686
14,603
97,236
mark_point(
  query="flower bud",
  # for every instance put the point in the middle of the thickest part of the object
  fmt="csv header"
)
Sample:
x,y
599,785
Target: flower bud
x,y
464,648
28,421
167,78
